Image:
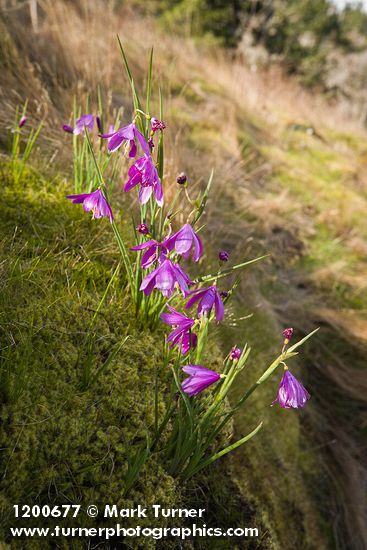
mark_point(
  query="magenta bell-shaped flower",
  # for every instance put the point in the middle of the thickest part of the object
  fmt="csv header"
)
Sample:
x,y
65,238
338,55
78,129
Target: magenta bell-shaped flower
x,y
199,379
166,278
153,251
207,298
144,173
183,241
95,202
181,336
291,393
85,121
130,134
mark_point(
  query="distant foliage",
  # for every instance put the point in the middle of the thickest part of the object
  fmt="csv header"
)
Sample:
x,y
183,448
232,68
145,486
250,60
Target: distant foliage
x,y
213,19
303,33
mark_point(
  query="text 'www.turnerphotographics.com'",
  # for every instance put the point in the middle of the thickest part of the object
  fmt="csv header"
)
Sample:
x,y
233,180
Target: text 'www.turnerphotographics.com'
x,y
119,530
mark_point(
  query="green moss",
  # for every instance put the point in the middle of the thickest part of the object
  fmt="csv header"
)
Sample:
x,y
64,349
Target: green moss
x,y
59,443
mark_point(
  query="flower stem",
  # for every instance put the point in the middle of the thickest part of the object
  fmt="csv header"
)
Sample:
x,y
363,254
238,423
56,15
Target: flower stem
x,y
116,231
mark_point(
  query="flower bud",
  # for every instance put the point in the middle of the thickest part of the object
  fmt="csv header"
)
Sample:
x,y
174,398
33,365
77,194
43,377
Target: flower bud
x,y
157,124
68,129
235,353
99,123
22,121
223,256
224,294
143,229
181,178
288,333
151,143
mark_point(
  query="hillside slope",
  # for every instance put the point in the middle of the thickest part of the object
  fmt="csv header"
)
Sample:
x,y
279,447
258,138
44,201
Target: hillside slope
x,y
74,414
290,179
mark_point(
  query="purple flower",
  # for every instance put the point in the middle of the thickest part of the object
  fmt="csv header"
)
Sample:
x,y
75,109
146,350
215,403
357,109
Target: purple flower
x,y
153,251
186,341
85,121
93,201
157,124
68,129
22,121
128,133
181,178
143,229
291,393
288,333
183,241
235,353
144,173
181,336
223,256
165,278
207,298
199,379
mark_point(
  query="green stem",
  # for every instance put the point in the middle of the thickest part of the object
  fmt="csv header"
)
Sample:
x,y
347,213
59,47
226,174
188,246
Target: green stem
x,y
120,242
223,452
224,272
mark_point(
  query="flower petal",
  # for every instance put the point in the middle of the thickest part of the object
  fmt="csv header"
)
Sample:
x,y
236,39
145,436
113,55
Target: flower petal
x,y
165,279
77,199
184,239
158,193
207,302
198,248
145,194
142,141
144,245
149,257
196,295
219,307
133,149
173,318
115,142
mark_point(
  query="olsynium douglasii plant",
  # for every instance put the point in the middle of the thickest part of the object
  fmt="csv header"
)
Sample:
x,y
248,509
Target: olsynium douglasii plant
x,y
197,410
85,176
22,143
